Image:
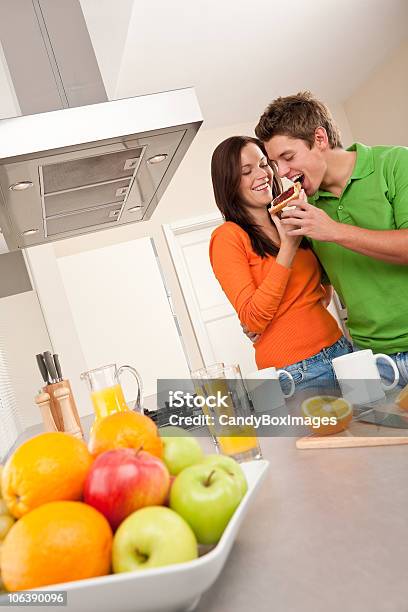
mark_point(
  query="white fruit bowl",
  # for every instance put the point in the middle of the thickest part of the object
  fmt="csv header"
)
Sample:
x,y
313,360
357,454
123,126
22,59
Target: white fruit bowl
x,y
165,589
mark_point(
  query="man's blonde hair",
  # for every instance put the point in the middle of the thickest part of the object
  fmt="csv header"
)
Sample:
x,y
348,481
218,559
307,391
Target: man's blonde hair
x,y
298,116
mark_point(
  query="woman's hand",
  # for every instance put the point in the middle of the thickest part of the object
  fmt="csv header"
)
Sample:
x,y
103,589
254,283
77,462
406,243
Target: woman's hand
x,y
284,228
290,242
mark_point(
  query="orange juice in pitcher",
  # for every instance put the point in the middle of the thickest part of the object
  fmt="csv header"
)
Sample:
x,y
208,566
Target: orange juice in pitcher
x,y
106,391
108,400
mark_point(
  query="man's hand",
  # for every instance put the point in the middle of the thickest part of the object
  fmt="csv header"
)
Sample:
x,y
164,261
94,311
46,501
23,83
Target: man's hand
x,y
310,221
385,245
251,335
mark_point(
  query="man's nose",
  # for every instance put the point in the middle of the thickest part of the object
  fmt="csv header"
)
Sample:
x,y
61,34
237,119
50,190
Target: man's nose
x,y
283,169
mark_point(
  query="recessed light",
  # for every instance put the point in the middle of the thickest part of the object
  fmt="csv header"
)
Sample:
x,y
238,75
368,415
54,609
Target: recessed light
x,y
21,186
157,159
134,209
30,232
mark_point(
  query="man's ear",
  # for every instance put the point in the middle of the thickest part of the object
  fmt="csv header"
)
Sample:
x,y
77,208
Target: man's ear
x,y
321,139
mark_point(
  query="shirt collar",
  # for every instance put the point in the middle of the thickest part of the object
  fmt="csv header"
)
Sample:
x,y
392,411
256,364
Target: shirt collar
x,y
363,167
364,161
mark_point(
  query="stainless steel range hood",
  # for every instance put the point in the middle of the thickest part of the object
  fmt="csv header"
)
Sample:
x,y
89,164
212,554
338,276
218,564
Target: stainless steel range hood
x,y
86,164
91,167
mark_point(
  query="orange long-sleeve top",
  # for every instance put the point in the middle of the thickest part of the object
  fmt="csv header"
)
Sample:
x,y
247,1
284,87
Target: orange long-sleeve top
x,y
282,304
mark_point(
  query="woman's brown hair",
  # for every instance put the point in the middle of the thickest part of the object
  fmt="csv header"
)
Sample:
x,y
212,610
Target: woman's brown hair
x,y
226,180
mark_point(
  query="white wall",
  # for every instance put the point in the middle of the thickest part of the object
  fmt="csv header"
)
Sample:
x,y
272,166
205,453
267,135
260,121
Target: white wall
x,y
377,110
24,334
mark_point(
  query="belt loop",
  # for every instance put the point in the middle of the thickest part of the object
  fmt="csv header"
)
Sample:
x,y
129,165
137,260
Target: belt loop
x,y
304,365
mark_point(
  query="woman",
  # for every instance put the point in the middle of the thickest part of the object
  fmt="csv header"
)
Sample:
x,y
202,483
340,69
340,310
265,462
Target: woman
x,y
272,280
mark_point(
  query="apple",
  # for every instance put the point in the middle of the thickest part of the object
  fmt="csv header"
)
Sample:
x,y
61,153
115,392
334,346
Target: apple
x,y
123,480
152,537
206,496
167,500
180,449
231,466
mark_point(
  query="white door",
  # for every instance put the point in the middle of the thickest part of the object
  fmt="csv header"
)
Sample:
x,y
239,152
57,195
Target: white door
x,y
215,322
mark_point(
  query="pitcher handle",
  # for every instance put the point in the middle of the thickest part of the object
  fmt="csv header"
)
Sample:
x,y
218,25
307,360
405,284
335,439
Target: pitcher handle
x,y
139,400
388,359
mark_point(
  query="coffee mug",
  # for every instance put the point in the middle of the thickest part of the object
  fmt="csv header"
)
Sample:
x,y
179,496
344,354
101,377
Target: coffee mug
x,y
359,379
265,389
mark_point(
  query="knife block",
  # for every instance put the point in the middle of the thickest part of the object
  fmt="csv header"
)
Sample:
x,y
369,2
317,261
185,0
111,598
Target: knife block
x,y
65,415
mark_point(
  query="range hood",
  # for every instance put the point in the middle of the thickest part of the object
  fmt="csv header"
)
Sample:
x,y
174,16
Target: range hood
x,y
78,170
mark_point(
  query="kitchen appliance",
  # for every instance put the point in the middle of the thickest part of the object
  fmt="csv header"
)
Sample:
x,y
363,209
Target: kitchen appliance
x,y
75,162
78,170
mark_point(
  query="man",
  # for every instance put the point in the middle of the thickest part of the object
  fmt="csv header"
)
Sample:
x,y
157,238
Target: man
x,y
356,217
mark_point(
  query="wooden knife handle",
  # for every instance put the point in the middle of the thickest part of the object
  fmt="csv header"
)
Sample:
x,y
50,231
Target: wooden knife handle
x,y
309,442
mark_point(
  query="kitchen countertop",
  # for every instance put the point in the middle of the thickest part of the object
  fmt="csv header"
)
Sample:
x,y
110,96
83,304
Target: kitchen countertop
x,y
327,532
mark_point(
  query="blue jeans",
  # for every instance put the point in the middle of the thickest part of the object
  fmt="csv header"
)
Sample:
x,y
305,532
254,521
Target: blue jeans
x,y
317,371
400,360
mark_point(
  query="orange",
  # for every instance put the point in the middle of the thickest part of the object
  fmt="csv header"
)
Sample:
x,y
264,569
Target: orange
x,y
49,467
330,407
57,542
125,430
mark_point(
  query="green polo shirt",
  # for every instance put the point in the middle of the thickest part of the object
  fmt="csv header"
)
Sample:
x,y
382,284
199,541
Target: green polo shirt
x,y
374,292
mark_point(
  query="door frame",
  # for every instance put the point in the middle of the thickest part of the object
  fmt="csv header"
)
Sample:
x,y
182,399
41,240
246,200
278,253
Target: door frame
x,y
171,232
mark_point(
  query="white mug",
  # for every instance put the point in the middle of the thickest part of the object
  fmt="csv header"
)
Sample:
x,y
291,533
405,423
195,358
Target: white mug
x,y
359,378
265,389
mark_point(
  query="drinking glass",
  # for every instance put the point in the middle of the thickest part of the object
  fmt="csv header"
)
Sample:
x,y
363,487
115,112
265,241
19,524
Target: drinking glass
x,y
232,435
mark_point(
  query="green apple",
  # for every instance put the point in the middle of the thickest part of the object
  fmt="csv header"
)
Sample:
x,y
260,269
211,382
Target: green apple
x,y
206,496
231,466
180,449
152,537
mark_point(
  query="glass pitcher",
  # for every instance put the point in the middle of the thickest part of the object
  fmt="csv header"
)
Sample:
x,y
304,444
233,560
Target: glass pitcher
x,y
106,391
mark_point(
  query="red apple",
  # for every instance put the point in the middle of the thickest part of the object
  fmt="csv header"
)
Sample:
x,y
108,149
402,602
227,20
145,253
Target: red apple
x,y
123,480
